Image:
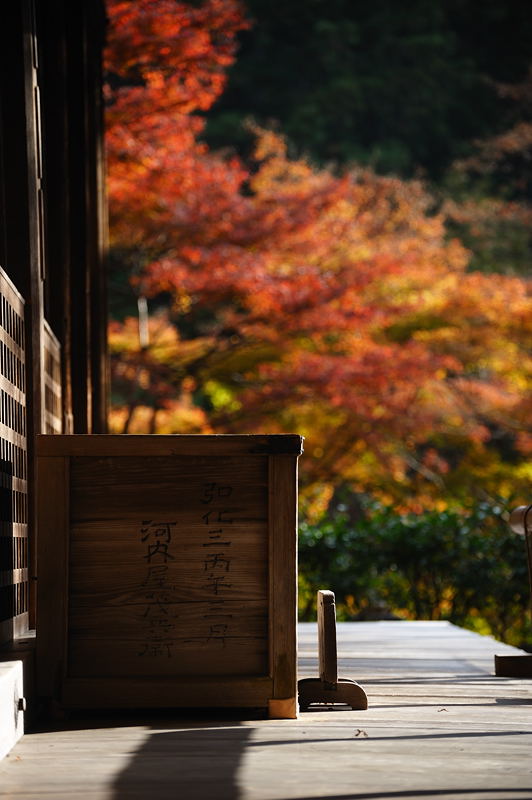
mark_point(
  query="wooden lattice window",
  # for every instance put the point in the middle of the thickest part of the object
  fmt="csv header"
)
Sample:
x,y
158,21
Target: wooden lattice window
x,y
13,465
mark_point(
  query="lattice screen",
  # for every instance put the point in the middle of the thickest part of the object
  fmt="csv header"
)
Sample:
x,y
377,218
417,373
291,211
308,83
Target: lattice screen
x,y
52,382
13,465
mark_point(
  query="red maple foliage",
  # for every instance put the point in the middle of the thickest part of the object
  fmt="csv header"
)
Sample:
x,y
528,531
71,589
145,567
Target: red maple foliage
x,y
289,297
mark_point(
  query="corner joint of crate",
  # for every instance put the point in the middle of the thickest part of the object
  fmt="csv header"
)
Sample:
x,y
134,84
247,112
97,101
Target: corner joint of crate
x,y
280,445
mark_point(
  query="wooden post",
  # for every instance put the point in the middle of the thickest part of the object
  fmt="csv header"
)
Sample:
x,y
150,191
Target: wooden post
x,y
282,514
328,689
519,666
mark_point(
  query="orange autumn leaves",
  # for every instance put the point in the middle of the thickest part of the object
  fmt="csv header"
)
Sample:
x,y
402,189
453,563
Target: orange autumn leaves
x,y
286,297
165,62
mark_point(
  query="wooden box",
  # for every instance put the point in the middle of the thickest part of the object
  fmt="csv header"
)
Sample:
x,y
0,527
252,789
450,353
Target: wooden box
x,y
167,571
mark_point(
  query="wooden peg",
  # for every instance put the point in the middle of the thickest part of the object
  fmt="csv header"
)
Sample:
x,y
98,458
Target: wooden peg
x,y
327,637
328,689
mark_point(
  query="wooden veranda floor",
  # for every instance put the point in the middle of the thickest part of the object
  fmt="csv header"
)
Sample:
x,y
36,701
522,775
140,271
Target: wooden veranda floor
x,y
439,725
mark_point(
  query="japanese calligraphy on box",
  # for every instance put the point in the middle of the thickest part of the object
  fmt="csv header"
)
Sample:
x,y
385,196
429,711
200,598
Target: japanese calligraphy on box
x,y
172,563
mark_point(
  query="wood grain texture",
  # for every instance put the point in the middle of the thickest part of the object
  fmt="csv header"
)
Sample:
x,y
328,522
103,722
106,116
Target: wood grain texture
x,y
519,666
282,709
186,692
440,727
168,566
181,568
283,575
528,541
513,666
145,445
53,404
14,542
314,691
52,590
327,636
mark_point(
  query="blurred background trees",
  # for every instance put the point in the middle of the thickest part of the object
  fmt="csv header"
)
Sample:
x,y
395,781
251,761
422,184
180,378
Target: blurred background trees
x,y
330,235
398,89
465,566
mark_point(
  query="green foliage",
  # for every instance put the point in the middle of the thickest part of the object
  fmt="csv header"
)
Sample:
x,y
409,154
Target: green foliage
x,y
396,86
503,245
463,566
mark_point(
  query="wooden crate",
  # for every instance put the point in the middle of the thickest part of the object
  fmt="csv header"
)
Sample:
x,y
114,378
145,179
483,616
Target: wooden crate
x,y
167,571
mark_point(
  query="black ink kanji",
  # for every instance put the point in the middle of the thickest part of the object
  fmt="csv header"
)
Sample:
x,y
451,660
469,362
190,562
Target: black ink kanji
x,y
216,584
217,561
219,517
158,549
155,649
215,490
158,530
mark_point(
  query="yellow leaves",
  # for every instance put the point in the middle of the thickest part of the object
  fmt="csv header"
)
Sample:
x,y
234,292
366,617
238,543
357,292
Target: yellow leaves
x,y
314,500
181,417
268,144
524,473
280,178
221,397
182,302
165,346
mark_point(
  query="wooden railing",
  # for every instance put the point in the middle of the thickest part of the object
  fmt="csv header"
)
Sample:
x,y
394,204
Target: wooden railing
x,y
519,666
521,522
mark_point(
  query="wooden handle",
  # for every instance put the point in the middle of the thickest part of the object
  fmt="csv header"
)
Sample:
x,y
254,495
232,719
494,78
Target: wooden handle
x,y
327,636
521,519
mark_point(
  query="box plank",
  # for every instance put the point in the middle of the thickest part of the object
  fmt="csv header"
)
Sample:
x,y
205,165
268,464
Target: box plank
x,y
52,569
183,542
178,563
283,593
126,693
193,445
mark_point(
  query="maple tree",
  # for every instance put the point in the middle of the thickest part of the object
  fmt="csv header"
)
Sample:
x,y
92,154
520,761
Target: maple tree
x,y
490,192
287,297
165,62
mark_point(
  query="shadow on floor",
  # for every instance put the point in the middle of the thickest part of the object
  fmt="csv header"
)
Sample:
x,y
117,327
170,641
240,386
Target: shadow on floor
x,y
199,761
156,719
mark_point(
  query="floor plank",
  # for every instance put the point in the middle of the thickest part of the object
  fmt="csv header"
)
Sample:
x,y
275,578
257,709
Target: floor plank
x,y
439,725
